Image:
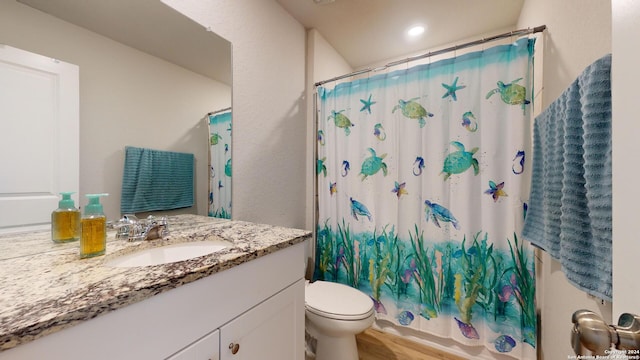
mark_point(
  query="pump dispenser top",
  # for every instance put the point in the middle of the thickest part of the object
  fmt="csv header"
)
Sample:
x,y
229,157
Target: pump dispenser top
x,y
94,228
94,207
65,220
66,202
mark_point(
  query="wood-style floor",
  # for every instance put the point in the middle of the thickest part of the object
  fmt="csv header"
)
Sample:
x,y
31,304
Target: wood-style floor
x,y
377,345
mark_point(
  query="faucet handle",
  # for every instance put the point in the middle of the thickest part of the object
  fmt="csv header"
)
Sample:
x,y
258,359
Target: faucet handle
x,y
128,228
155,228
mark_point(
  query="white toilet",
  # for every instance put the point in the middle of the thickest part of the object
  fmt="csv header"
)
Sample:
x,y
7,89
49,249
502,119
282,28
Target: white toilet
x,y
335,313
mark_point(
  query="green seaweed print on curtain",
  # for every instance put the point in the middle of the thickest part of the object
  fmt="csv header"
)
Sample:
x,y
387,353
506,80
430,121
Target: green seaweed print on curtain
x,y
421,175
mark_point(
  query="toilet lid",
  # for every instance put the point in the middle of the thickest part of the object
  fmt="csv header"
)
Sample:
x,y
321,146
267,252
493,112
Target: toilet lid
x,y
337,301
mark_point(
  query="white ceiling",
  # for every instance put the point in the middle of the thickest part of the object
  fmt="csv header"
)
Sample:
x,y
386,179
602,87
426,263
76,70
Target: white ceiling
x,y
149,26
365,32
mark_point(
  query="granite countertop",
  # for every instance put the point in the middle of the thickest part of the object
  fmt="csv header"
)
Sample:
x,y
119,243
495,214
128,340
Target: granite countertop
x,y
46,287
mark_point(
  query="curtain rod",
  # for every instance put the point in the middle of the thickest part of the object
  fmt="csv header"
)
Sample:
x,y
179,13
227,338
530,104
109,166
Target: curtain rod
x,y
520,32
218,111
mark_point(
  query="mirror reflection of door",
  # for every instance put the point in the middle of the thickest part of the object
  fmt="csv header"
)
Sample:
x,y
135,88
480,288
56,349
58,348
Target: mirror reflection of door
x,y
38,108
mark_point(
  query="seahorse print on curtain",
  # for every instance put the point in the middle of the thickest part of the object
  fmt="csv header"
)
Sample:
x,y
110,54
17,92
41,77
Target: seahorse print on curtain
x,y
422,179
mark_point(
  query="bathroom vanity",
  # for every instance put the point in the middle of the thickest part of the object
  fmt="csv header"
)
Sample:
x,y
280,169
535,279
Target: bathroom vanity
x,y
245,301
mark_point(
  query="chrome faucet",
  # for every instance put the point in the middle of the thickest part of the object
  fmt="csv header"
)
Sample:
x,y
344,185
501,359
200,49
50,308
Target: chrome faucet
x,y
133,229
591,333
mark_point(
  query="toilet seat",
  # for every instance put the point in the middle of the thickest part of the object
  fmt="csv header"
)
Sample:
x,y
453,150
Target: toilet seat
x,y
337,301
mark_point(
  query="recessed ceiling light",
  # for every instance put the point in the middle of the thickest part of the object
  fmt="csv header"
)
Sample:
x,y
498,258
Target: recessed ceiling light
x,y
416,30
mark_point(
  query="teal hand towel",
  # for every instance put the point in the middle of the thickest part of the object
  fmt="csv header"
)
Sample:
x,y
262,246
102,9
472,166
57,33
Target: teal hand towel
x,y
569,213
156,180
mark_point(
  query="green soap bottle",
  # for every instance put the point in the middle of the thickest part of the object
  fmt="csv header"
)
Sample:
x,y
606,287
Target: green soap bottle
x,y
93,241
65,220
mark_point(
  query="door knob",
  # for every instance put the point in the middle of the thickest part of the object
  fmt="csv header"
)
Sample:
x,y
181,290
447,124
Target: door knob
x,y
234,348
591,333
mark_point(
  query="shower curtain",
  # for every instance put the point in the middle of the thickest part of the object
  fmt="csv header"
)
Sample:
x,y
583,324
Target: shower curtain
x,y
220,165
422,178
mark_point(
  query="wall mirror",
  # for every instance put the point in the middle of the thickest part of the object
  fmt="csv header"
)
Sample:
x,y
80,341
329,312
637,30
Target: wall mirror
x,y
149,77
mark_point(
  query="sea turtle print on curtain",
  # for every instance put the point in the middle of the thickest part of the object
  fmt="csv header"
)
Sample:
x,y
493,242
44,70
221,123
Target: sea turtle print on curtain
x,y
427,225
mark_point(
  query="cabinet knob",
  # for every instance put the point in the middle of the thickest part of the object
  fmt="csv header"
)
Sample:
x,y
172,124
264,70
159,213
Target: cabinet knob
x,y
234,348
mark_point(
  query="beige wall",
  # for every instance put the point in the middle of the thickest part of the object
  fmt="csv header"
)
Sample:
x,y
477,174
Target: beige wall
x,y
126,98
269,106
323,60
578,32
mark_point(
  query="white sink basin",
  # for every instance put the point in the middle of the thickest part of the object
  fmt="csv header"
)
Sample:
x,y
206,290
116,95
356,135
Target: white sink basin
x,y
168,254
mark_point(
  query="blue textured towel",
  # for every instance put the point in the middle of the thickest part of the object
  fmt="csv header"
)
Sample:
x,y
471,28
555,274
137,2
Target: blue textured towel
x,y
569,212
156,180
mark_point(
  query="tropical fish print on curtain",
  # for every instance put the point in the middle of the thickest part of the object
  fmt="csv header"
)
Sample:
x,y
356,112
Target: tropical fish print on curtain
x,y
422,178
220,165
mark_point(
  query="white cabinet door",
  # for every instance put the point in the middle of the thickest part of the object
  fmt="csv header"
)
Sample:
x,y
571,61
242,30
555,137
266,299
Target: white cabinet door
x,y
39,137
272,330
207,348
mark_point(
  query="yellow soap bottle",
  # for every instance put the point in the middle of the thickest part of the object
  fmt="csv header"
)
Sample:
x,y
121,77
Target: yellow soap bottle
x,y
65,220
93,241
